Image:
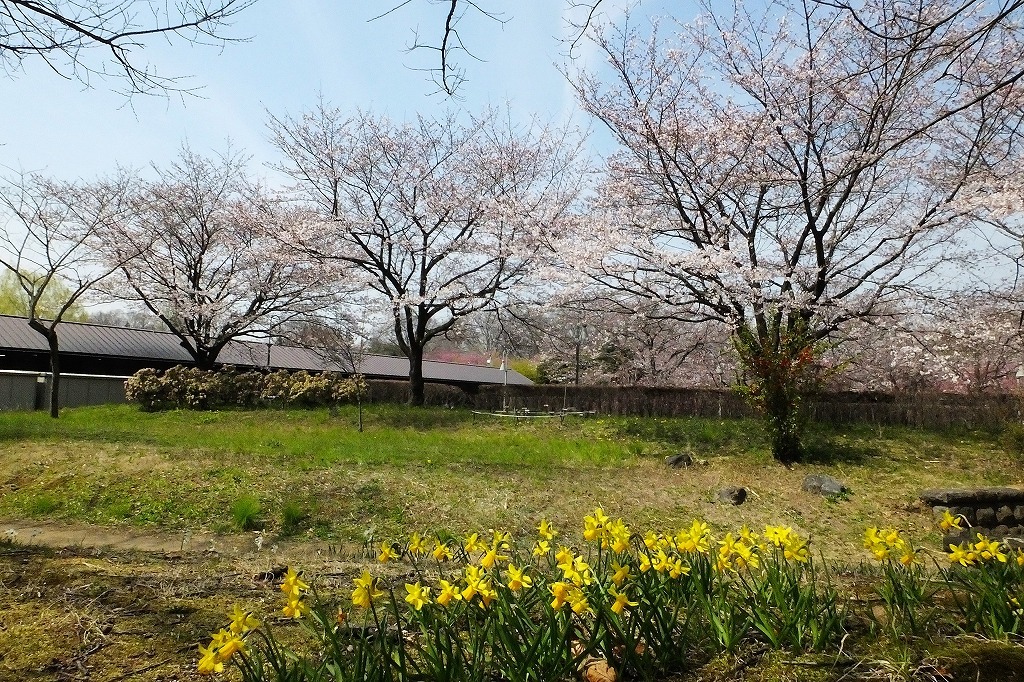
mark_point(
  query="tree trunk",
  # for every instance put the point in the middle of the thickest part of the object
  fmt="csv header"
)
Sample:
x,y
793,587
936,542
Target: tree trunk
x,y
415,375
51,339
782,373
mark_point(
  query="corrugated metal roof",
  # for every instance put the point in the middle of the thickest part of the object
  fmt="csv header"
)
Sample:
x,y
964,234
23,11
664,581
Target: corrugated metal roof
x,y
121,342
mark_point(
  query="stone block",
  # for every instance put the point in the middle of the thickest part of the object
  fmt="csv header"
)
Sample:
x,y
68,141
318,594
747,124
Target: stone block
x,y
985,517
1018,513
1004,515
999,532
953,538
967,513
952,497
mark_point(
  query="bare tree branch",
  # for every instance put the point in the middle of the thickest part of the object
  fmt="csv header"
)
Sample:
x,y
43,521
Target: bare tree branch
x,y
63,34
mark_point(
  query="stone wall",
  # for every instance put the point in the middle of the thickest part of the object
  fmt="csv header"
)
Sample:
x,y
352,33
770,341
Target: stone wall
x,y
997,513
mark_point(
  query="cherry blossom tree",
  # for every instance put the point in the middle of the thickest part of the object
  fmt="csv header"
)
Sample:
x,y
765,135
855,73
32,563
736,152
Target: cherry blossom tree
x,y
971,343
49,235
789,171
65,35
438,219
208,258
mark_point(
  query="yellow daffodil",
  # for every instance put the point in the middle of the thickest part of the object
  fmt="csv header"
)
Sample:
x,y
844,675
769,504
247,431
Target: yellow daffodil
x,y
501,539
661,562
387,553
417,545
909,557
696,539
677,568
651,540
950,522
242,621
645,563
517,579
872,538
620,535
542,548
474,579
777,535
295,608
491,557
564,555
474,544
620,573
418,596
578,601
796,550
744,556
546,531
447,593
208,661
227,645
621,601
442,552
959,554
487,594
988,549
366,590
560,592
293,584
595,526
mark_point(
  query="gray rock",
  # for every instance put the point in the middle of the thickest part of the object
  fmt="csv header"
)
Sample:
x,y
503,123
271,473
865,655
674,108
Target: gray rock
x,y
1018,513
1004,515
679,461
954,538
999,532
986,517
732,495
823,484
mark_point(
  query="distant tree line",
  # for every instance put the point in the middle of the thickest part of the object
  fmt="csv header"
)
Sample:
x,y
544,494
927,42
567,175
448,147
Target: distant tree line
x,y
807,195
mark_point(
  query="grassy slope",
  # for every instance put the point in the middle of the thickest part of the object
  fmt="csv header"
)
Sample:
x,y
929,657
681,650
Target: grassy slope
x,y
120,614
432,470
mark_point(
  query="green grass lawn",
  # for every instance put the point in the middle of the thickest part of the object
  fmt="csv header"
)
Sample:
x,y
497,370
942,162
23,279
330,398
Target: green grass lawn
x,y
312,473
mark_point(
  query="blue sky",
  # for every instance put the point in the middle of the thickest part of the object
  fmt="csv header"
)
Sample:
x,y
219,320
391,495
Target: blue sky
x,y
298,49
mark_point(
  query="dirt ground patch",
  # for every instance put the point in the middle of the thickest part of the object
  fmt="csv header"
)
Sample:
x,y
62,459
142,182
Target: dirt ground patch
x,y
83,603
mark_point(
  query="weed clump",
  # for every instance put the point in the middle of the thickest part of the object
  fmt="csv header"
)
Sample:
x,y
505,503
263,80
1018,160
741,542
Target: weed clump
x,y
246,513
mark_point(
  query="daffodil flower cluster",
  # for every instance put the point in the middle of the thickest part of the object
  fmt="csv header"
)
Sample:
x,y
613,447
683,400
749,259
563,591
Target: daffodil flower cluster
x,y
226,642
888,544
613,582
295,590
983,551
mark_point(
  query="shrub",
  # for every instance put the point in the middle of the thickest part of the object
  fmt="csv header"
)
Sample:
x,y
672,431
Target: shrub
x,y
195,389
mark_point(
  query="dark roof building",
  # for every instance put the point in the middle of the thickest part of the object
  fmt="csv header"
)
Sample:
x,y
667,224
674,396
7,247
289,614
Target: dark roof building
x,y
100,349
